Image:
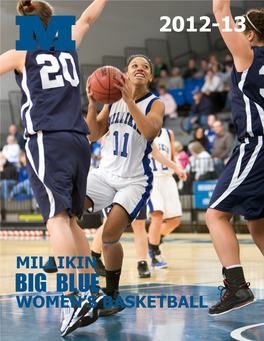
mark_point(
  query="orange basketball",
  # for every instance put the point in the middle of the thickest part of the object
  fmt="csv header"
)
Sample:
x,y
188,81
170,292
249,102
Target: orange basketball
x,y
101,84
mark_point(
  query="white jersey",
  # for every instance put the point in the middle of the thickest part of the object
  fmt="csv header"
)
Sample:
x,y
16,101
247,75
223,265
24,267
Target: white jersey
x,y
163,141
126,150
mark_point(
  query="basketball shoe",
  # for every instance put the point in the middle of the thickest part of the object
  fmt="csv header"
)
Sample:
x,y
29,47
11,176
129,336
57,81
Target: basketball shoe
x,y
157,262
71,316
99,267
50,268
237,294
109,311
143,270
93,313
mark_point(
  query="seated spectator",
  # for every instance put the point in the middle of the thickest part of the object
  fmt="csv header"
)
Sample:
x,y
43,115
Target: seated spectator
x,y
11,150
209,131
159,65
200,137
163,78
203,164
191,71
19,138
180,155
201,107
8,176
222,146
213,87
23,186
201,73
214,59
169,101
200,168
176,81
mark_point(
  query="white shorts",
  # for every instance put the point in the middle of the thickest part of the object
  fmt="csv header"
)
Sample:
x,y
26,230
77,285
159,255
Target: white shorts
x,y
104,189
165,197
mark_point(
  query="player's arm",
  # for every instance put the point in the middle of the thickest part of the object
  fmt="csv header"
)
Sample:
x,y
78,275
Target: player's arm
x,y
86,20
161,158
172,145
12,60
98,124
149,125
236,42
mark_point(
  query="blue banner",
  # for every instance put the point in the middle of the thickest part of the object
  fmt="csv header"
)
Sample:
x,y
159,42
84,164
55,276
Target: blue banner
x,y
203,191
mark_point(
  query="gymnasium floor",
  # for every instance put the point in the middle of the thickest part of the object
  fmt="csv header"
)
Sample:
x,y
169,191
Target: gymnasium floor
x,y
193,276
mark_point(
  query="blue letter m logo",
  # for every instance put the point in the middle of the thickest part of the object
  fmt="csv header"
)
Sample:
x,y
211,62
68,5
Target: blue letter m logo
x,y
60,24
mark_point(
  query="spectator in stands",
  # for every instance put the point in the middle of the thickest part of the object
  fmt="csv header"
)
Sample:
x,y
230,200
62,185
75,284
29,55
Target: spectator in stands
x,y
169,101
200,168
19,138
23,185
213,59
227,83
159,65
11,150
8,175
229,58
200,137
222,146
209,131
176,80
163,78
213,87
203,163
180,155
201,73
191,71
201,107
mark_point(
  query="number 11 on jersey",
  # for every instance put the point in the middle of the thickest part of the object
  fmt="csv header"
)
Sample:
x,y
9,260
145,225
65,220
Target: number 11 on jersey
x,y
125,141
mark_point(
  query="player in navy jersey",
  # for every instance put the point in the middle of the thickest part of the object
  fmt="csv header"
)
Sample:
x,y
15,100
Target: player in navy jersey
x,y
124,177
240,188
57,149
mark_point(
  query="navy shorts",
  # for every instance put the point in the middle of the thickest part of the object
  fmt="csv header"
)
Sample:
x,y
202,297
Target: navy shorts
x,y
240,188
141,216
58,165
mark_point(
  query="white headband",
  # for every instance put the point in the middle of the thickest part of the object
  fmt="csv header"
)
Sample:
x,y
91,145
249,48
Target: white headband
x,y
253,25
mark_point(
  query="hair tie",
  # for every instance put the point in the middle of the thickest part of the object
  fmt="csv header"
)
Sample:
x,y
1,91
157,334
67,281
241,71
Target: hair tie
x,y
253,24
31,5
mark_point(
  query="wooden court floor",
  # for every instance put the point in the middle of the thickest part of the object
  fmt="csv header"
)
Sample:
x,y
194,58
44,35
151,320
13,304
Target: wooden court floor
x,y
193,275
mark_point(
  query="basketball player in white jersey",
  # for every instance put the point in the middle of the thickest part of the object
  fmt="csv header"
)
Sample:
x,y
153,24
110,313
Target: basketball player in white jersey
x,y
164,204
124,177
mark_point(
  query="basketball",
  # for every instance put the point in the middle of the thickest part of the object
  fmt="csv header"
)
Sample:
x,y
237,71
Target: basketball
x,y
102,84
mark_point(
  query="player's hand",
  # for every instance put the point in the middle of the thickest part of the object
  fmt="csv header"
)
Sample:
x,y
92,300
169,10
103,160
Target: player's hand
x,y
91,99
181,173
123,85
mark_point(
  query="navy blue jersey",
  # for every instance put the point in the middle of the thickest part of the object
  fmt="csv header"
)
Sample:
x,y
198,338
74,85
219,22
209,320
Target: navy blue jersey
x,y
248,97
51,97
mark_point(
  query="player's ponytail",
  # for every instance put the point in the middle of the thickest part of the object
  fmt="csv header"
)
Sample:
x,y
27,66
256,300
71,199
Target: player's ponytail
x,y
40,8
254,21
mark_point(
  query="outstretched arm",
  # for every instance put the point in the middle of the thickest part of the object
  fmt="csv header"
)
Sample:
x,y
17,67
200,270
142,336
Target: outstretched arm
x,y
161,158
86,20
236,42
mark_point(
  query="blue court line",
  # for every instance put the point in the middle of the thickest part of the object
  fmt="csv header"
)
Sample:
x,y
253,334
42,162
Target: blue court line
x,y
182,241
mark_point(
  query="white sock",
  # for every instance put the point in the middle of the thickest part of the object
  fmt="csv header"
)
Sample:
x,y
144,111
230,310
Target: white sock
x,y
233,266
